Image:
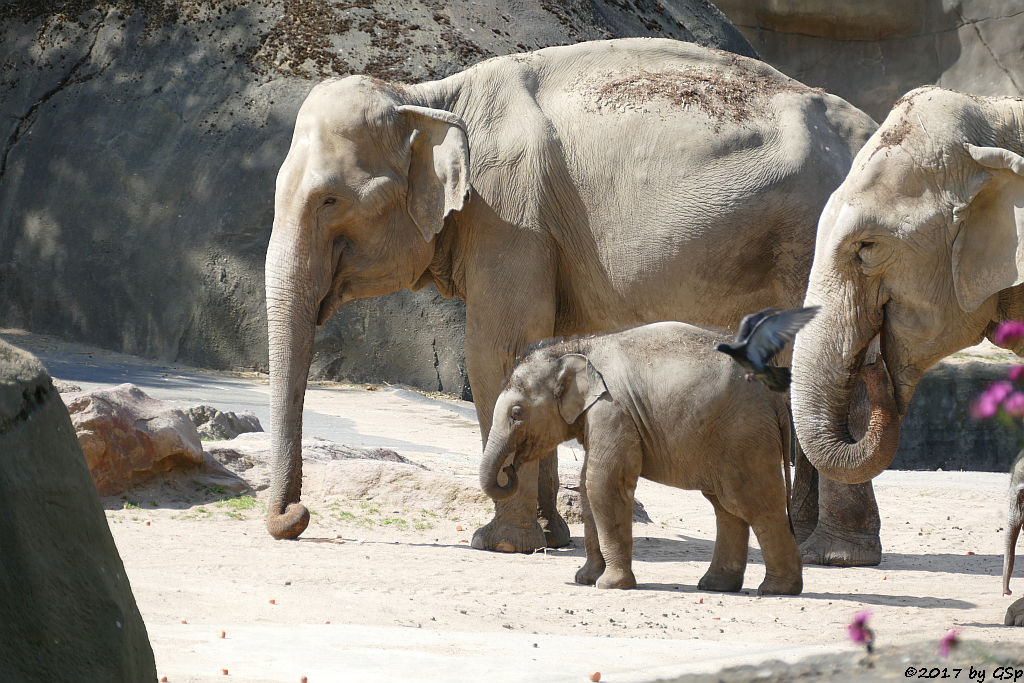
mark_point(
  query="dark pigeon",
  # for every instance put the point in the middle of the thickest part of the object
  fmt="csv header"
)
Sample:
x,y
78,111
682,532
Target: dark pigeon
x,y
761,337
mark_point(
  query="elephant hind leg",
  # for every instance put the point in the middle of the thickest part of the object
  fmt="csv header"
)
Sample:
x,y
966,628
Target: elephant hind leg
x,y
783,573
847,534
729,558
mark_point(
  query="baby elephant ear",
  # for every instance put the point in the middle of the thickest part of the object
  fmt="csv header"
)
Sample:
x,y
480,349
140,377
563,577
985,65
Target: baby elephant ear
x,y
578,386
988,250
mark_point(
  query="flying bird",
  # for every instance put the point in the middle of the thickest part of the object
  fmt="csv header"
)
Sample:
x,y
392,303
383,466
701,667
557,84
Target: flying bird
x,y
761,337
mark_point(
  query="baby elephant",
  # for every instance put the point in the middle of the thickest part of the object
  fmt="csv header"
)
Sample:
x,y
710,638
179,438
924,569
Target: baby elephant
x,y
1014,519
654,401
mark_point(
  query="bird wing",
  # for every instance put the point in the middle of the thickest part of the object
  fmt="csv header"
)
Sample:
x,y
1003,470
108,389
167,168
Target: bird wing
x,y
774,331
750,321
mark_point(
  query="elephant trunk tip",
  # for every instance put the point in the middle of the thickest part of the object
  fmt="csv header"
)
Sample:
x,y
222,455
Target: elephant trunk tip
x,y
288,524
499,492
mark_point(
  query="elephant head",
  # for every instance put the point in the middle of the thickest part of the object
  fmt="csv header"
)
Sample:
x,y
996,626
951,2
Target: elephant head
x,y
920,248
538,409
364,190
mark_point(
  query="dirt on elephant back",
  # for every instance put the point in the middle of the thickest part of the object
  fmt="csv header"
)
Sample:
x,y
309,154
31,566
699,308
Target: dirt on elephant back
x,y
721,95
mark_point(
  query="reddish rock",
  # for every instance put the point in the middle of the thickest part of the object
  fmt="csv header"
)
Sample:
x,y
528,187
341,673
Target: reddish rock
x,y
127,436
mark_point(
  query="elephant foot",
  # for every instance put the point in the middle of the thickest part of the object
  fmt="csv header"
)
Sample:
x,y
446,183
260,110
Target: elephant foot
x,y
1015,614
500,535
774,585
556,531
589,573
721,582
847,550
622,578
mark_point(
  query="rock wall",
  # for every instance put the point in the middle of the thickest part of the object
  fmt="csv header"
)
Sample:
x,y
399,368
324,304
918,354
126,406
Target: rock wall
x,y
140,139
67,612
870,52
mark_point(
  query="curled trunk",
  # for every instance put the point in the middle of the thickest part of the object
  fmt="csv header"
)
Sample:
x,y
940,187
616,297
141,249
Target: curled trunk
x,y
824,379
495,455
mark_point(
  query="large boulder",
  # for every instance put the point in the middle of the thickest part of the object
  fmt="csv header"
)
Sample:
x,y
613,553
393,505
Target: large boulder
x,y
870,52
128,436
157,129
67,612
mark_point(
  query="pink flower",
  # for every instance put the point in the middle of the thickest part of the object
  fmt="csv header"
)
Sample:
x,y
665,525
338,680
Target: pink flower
x,y
1014,404
948,642
1015,373
987,405
1008,332
859,631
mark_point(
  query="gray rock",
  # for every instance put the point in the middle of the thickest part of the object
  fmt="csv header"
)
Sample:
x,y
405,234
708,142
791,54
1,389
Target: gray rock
x,y
871,52
65,387
213,424
66,607
248,456
158,128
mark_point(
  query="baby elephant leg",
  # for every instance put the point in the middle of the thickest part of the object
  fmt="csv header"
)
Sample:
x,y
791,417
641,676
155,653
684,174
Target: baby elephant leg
x,y
729,559
594,566
782,566
610,484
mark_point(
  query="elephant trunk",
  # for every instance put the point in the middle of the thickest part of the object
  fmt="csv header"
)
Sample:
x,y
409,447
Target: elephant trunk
x,y
495,454
827,363
1013,525
291,317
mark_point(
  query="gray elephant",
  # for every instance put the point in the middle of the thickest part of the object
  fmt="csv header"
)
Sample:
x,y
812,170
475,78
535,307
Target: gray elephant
x,y
570,190
1014,519
919,252
655,401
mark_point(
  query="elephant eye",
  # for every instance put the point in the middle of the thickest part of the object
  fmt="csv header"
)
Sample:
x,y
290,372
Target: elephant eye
x,y
516,413
330,201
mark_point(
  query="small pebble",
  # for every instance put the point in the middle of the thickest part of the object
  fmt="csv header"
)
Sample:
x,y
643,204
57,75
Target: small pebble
x,y
596,676
223,672
223,634
272,601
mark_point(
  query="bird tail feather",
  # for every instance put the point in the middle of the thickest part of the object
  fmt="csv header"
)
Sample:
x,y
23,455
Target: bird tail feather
x,y
777,378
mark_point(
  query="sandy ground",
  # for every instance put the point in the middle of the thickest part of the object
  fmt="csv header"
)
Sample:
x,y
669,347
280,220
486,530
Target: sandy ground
x,y
398,594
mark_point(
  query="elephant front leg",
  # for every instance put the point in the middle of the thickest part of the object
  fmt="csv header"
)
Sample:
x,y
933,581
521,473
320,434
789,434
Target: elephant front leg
x,y
847,534
556,531
594,566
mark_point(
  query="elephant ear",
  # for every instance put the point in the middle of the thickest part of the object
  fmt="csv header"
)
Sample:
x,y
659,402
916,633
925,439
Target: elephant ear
x,y
438,169
578,386
988,249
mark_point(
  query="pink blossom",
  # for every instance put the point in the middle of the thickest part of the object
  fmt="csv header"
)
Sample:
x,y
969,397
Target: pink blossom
x,y
1014,404
948,642
1015,373
859,631
1008,332
987,405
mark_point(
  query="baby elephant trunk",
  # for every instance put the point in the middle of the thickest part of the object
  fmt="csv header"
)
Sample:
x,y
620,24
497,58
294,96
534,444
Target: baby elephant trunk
x,y
495,455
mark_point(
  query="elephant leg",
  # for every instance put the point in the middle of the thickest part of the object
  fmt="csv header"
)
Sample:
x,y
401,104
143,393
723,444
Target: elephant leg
x,y
1015,613
594,566
729,558
556,531
804,505
848,526
783,573
612,472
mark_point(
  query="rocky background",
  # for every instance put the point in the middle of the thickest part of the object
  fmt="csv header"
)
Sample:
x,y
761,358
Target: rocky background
x,y
140,140
870,52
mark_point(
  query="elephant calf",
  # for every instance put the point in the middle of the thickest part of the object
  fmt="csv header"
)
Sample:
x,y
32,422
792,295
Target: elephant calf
x,y
655,401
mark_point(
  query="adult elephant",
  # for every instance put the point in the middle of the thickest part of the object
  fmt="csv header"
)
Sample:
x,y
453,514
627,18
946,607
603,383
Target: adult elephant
x,y
570,190
919,248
